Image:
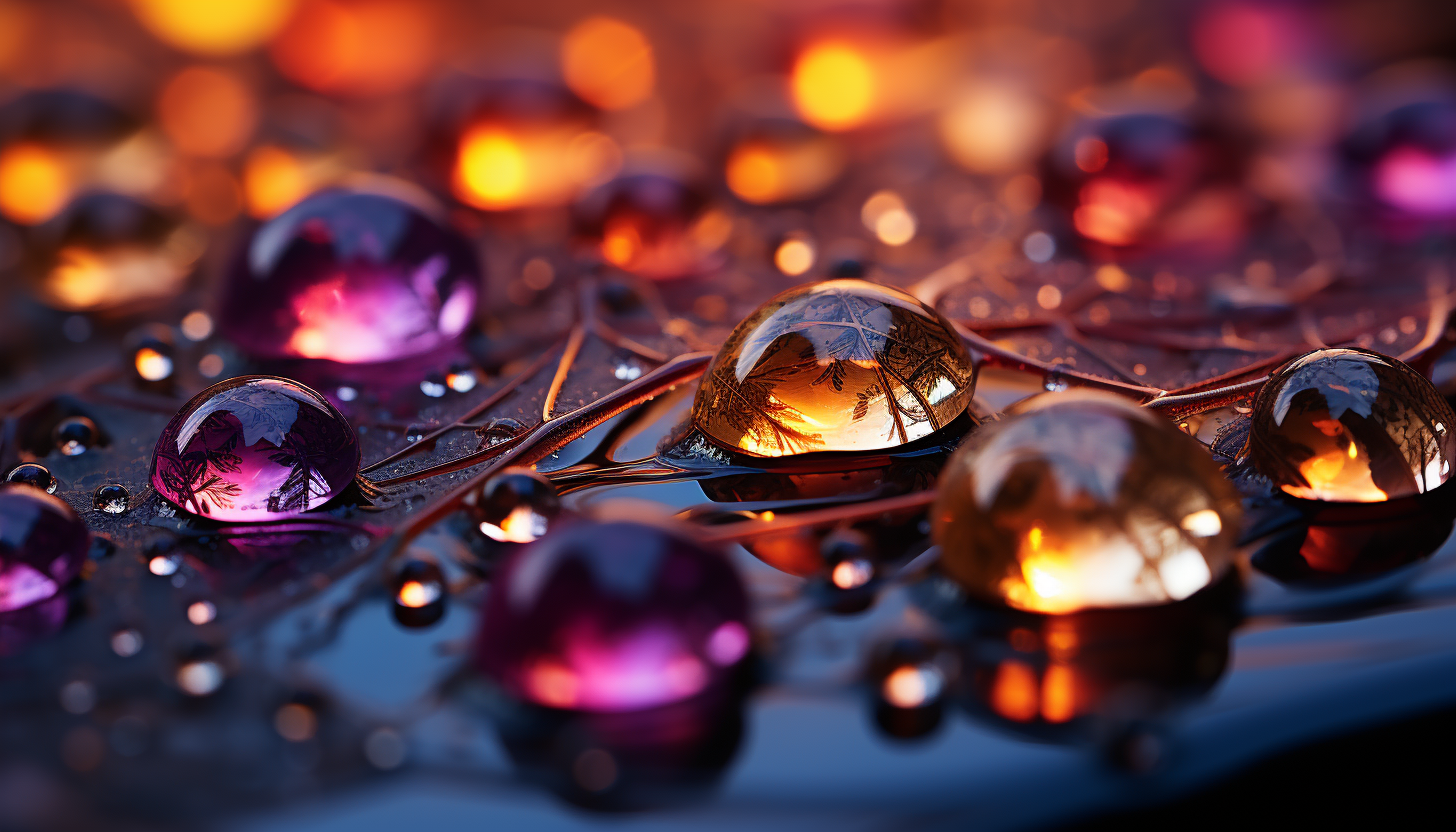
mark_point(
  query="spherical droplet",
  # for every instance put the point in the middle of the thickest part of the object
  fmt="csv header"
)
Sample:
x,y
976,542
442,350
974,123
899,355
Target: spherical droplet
x,y
154,355
1351,425
33,475
517,506
654,221
112,499
1083,499
255,448
420,594
842,365
352,277
613,617
43,545
74,435
907,679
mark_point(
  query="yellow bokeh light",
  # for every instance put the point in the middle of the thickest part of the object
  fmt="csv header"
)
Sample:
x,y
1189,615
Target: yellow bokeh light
x,y
152,365
503,165
762,172
415,594
833,86
273,180
794,256
213,27
35,183
608,63
492,168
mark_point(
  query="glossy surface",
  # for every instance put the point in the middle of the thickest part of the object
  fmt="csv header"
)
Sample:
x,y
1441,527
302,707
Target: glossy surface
x,y
254,448
352,277
613,617
1082,500
657,224
1351,425
42,546
841,365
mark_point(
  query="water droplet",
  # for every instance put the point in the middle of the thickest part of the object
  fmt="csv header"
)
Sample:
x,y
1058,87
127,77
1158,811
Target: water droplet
x,y
1351,425
33,475
352,277
1083,499
433,386
43,545
654,223
255,448
112,499
501,430
1055,383
164,565
153,354
74,435
420,594
908,678
517,506
613,617
627,371
842,365
461,379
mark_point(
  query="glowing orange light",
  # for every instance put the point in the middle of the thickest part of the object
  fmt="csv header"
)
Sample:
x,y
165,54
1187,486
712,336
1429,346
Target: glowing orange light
x,y
207,111
273,180
906,687
552,683
83,279
1058,693
1114,212
501,167
365,47
834,85
850,574
35,183
794,256
1337,473
763,172
608,63
1014,691
415,594
214,27
152,365
522,525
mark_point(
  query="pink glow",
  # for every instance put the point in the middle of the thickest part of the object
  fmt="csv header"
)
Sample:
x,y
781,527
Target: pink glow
x,y
1417,181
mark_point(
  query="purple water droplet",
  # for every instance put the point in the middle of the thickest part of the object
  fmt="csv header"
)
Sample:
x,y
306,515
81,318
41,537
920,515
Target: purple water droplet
x,y
255,448
42,546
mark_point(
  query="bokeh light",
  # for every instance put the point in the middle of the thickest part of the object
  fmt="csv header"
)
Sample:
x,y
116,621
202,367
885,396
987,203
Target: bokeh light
x,y
213,27
608,63
358,47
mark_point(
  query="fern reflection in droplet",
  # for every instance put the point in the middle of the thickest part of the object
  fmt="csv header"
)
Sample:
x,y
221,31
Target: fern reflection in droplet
x,y
840,365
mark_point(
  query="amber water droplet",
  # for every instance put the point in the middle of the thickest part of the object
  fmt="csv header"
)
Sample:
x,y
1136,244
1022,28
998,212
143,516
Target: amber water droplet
x,y
352,277
517,506
74,435
658,223
255,448
1350,425
840,365
907,680
420,594
1083,499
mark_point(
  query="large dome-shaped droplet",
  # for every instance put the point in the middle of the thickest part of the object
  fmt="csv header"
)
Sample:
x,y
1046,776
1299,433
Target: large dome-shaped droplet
x,y
1083,499
42,546
613,617
353,277
842,365
1351,425
255,448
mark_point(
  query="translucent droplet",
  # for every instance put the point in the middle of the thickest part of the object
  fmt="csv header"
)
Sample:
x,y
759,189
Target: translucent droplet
x,y
655,221
517,506
112,499
461,379
908,678
255,448
1351,425
613,617
33,475
842,365
43,545
352,277
1083,499
74,435
420,593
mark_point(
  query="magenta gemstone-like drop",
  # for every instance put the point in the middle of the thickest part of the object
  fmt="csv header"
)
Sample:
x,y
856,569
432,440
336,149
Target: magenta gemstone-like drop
x,y
255,448
613,617
352,277
42,546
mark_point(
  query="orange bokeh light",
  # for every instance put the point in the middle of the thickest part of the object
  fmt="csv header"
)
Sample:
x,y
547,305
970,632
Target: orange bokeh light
x,y
213,27
608,63
834,85
763,172
1014,691
365,47
35,183
207,111
502,166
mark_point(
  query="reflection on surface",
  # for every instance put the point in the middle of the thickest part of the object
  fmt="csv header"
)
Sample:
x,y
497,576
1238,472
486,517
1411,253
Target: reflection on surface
x,y
1047,673
1335,548
1351,425
842,365
1083,500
